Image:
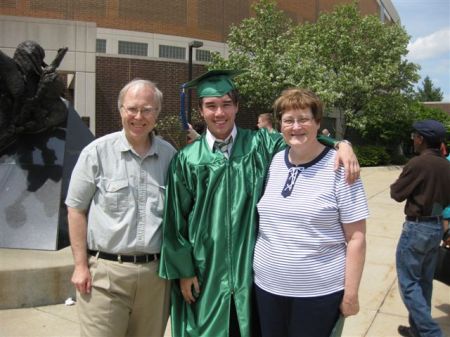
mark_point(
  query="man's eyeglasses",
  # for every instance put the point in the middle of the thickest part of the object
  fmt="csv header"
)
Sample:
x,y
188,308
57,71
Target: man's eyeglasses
x,y
145,111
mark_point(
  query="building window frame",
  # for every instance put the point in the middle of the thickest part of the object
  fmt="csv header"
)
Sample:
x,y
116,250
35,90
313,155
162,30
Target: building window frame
x,y
133,48
172,52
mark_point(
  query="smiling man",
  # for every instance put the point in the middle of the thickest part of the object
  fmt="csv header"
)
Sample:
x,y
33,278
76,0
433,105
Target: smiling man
x,y
210,216
115,204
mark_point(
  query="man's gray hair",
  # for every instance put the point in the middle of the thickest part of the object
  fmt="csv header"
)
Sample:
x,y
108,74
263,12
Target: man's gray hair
x,y
140,83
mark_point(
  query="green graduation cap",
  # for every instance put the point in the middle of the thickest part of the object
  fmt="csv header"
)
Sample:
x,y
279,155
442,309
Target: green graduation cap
x,y
214,83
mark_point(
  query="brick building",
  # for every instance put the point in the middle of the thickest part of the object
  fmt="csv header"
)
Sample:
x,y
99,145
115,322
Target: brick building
x,y
113,41
444,106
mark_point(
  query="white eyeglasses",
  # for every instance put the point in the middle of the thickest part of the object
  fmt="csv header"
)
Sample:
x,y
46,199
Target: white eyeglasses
x,y
289,122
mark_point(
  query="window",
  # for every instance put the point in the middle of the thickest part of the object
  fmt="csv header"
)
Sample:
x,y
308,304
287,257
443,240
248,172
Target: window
x,y
133,48
203,55
100,46
172,52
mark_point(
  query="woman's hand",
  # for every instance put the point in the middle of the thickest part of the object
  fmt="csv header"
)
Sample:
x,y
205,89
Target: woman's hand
x,y
349,305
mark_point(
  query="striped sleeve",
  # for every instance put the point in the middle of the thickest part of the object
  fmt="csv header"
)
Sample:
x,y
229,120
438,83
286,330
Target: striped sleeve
x,y
351,199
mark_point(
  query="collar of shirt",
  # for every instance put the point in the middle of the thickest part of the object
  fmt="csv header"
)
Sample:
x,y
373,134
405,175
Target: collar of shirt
x,y
429,151
210,139
125,145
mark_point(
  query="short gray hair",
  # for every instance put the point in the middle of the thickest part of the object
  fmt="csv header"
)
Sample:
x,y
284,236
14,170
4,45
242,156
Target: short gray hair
x,y
140,83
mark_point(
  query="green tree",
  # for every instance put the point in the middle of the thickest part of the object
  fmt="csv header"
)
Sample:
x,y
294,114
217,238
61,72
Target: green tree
x,y
421,112
258,45
356,63
428,93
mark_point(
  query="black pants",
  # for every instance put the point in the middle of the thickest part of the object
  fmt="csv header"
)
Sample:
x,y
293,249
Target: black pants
x,y
254,319
234,323
297,316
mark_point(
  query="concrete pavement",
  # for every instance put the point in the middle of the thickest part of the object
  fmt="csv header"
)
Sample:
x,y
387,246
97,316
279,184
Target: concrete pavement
x,y
381,307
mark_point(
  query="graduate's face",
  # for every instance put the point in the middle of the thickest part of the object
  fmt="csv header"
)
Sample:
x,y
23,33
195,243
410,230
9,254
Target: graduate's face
x,y
219,114
299,127
138,113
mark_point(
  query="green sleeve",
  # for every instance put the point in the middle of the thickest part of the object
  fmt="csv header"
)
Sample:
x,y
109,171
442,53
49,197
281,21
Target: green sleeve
x,y
273,141
327,141
176,250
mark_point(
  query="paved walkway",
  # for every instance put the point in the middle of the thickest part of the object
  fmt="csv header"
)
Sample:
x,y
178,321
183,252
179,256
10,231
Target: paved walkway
x,y
381,307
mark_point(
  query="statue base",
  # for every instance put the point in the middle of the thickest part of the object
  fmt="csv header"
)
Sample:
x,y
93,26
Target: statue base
x,y
34,177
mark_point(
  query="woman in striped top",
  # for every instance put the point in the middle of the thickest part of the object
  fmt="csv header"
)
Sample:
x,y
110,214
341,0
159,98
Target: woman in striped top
x,y
310,249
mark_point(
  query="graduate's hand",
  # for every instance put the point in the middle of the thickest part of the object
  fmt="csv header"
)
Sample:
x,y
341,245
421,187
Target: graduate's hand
x,y
347,157
186,285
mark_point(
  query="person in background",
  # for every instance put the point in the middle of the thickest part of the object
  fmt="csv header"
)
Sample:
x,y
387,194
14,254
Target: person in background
x,y
310,248
446,225
446,220
425,184
326,133
265,120
115,206
210,216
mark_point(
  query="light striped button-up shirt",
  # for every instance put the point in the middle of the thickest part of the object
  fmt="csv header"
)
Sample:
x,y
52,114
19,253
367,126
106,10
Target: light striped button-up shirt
x,y
123,192
301,250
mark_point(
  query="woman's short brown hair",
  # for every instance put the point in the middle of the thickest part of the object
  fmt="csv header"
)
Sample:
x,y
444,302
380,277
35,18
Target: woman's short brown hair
x,y
295,99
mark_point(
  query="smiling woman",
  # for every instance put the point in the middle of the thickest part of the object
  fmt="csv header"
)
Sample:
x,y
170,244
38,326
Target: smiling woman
x,y
309,253
300,112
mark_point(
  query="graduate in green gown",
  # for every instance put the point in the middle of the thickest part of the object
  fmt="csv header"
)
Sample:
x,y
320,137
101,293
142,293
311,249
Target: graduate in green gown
x,y
210,217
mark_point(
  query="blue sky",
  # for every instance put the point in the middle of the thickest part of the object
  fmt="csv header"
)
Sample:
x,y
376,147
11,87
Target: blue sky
x,y
428,24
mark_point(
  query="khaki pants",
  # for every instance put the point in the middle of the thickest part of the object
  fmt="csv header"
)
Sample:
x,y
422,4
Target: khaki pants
x,y
127,299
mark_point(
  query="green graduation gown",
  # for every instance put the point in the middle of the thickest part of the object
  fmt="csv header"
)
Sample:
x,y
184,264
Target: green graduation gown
x,y
209,230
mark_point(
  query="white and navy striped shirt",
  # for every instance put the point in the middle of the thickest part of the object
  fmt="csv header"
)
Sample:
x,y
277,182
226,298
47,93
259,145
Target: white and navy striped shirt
x,y
300,250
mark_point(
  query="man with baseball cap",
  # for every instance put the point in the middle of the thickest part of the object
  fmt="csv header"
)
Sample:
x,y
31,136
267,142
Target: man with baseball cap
x,y
210,217
424,184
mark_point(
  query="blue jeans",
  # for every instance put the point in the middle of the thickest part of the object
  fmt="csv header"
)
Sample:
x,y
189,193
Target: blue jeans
x,y
417,253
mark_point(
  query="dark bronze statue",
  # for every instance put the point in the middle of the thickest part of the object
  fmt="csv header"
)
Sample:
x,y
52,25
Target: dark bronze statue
x,y
30,93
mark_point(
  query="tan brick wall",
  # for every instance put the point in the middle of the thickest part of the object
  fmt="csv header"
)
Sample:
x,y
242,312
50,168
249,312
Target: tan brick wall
x,y
114,73
202,19
444,106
